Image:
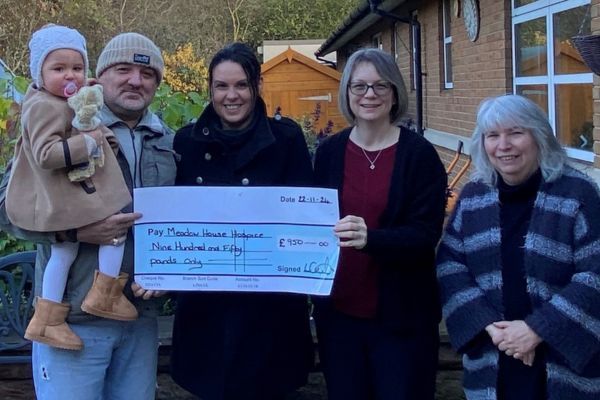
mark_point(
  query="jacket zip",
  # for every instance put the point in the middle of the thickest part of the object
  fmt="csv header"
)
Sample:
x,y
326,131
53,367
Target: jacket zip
x,y
144,138
135,159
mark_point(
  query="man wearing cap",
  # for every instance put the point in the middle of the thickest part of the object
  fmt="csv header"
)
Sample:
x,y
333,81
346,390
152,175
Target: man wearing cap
x,y
119,358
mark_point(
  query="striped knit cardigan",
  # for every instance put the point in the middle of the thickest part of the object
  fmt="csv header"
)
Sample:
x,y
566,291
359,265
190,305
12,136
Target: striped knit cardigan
x,y
562,264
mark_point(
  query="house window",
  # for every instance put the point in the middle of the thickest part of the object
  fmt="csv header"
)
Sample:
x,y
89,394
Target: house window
x,y
549,70
447,36
413,51
377,42
519,3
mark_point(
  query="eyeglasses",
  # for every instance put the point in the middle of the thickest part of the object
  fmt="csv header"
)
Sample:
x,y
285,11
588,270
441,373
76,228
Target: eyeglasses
x,y
380,88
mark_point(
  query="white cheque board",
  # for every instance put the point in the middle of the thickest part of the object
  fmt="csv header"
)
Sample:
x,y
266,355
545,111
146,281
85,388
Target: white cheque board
x,y
261,239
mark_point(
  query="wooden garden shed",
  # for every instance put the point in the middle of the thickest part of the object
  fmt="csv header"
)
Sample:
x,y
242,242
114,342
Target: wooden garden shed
x,y
299,86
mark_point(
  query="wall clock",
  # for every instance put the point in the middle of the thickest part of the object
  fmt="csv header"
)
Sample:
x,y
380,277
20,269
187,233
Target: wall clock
x,y
470,12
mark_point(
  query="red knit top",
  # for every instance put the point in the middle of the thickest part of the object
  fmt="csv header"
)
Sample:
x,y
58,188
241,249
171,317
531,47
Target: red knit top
x,y
364,194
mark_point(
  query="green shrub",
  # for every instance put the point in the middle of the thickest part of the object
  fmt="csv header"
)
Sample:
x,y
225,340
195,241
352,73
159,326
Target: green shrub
x,y
10,112
309,125
177,109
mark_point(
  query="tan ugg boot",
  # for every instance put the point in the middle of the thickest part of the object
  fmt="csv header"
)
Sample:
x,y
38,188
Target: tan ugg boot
x,y
48,326
105,298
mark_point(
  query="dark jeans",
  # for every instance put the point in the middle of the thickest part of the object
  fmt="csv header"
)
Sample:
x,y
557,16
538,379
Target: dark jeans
x,y
362,360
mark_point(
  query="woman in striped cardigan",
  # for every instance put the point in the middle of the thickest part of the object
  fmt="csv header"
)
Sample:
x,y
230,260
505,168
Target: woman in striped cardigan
x,y
519,263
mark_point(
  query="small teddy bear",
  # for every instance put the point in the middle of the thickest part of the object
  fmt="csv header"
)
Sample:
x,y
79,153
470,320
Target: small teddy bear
x,y
87,103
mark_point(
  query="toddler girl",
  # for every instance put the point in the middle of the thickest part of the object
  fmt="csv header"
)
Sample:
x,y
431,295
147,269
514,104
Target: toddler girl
x,y
41,197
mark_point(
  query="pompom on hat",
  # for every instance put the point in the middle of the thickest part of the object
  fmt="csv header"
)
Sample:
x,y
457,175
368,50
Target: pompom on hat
x,y
49,38
131,48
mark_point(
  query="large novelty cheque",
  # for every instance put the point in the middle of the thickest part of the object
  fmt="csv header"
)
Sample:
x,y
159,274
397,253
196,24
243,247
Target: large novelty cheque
x,y
260,239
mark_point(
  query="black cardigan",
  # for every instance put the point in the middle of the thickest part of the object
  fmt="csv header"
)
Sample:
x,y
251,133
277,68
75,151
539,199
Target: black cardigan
x,y
410,227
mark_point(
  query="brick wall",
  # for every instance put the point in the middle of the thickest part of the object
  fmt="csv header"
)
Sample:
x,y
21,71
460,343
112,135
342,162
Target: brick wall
x,y
480,69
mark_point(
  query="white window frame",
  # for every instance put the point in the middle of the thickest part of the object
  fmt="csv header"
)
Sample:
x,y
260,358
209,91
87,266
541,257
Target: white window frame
x,y
547,9
448,83
413,50
395,41
377,41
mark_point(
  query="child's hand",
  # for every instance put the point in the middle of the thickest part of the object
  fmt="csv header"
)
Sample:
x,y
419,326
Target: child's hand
x,y
90,144
97,135
93,142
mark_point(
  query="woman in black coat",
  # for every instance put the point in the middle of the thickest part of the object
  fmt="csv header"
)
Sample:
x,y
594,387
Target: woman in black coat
x,y
378,331
226,345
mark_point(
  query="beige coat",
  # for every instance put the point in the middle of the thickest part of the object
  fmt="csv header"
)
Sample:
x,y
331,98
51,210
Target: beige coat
x,y
40,197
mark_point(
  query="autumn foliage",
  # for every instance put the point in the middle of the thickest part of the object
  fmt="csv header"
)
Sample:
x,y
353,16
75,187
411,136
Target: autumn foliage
x,y
184,70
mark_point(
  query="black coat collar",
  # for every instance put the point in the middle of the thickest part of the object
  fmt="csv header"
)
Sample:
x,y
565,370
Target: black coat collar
x,y
206,129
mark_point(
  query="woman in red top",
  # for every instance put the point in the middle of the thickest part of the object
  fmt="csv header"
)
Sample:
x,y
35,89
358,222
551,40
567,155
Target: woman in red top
x,y
378,331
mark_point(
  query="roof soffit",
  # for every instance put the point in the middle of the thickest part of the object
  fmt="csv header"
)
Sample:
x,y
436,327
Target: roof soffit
x,y
358,21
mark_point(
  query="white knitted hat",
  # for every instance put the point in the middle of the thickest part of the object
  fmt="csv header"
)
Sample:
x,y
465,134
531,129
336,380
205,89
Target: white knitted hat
x,y
131,48
48,39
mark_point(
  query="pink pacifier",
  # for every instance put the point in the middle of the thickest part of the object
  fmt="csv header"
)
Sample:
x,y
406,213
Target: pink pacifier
x,y
70,89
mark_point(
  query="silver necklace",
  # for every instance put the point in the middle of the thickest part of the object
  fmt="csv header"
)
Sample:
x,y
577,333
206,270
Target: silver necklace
x,y
372,162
